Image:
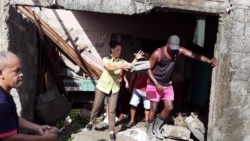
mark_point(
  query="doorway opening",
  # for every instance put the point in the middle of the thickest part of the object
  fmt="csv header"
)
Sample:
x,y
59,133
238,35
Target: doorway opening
x,y
147,31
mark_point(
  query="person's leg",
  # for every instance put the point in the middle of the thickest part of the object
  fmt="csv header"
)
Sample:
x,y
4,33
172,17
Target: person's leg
x,y
168,97
106,111
168,107
151,119
135,100
106,106
146,112
154,97
132,117
112,102
152,111
132,113
98,102
146,105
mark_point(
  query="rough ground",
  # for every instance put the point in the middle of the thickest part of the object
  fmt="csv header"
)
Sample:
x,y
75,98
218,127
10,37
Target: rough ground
x,y
77,131
123,134
135,133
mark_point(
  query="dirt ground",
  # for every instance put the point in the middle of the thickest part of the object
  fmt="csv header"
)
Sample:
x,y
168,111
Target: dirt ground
x,y
122,132
135,133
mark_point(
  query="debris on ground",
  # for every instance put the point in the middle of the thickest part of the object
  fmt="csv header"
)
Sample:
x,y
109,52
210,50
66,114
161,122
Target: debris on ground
x,y
176,132
195,126
184,127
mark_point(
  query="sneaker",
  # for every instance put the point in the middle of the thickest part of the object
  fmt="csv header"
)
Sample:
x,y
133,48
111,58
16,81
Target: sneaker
x,y
112,137
130,124
106,120
89,126
101,126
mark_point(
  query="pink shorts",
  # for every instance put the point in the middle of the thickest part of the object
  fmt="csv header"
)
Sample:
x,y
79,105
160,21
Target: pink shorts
x,y
153,95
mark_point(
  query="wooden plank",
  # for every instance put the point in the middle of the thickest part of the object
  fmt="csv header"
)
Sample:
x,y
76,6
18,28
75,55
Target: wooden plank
x,y
62,45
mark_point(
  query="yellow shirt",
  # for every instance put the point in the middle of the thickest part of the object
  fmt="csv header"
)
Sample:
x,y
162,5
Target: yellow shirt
x,y
109,80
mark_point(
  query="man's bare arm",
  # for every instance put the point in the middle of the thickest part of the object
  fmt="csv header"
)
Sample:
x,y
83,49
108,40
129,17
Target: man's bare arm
x,y
202,58
25,137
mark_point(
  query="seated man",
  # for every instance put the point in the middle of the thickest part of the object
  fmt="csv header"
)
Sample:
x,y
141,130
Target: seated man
x,y
11,77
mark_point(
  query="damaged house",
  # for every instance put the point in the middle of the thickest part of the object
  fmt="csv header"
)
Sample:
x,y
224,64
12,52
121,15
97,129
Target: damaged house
x,y
62,44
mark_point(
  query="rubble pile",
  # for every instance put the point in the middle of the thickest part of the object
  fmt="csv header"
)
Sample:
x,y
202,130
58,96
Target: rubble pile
x,y
183,128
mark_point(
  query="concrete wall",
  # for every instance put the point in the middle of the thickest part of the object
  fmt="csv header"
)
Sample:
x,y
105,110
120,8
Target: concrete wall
x,y
23,41
130,6
15,37
4,42
229,117
208,6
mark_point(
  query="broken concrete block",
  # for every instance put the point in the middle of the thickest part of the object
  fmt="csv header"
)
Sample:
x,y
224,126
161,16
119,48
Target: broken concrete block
x,y
180,121
196,127
136,134
176,132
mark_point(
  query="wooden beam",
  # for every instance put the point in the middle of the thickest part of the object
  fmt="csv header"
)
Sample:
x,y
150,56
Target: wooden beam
x,y
62,45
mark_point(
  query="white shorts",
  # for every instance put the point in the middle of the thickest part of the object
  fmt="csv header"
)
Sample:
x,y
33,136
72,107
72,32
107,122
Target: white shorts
x,y
137,96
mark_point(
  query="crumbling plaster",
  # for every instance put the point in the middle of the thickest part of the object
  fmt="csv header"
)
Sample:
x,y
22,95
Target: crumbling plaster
x,y
4,42
129,6
229,101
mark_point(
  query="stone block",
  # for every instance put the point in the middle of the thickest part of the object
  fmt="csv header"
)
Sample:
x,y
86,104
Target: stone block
x,y
238,87
196,127
243,2
247,17
238,29
247,30
245,62
241,75
176,132
240,61
235,61
239,15
239,43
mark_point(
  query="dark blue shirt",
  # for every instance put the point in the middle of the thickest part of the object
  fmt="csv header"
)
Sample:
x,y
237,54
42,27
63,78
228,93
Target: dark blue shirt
x,y
8,115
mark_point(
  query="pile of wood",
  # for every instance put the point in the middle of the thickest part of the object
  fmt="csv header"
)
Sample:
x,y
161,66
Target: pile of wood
x,y
69,53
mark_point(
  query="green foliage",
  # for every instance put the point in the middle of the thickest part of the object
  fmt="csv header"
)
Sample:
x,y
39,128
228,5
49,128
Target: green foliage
x,y
70,139
77,123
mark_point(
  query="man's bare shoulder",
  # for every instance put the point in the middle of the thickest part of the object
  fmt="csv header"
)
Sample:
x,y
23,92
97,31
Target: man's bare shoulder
x,y
157,52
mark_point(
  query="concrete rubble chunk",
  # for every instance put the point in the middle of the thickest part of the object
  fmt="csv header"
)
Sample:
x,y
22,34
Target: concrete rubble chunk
x,y
180,120
136,134
176,132
196,126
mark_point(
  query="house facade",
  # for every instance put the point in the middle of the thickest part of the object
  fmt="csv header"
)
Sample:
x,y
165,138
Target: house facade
x,y
227,39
